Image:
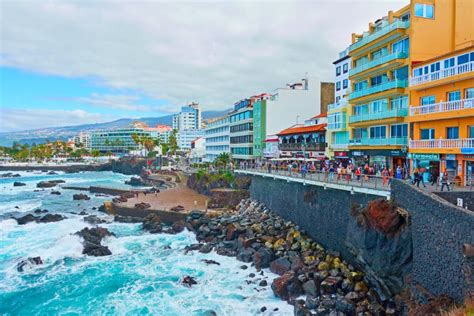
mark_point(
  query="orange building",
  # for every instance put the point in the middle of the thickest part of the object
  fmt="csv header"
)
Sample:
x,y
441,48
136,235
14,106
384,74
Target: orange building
x,y
442,115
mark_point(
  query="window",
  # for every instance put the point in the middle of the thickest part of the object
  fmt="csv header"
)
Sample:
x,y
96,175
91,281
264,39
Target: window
x,y
470,131
380,53
463,59
345,68
378,132
359,133
469,93
338,70
427,100
424,11
360,85
452,132
338,86
435,67
361,61
428,133
399,130
405,17
400,102
454,95
401,46
374,81
338,98
378,106
400,73
345,83
448,63
417,72
360,109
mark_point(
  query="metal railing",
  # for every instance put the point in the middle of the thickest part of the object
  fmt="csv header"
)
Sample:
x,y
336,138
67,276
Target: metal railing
x,y
377,62
299,146
397,83
350,180
379,33
379,115
337,106
336,126
442,107
443,73
392,141
442,143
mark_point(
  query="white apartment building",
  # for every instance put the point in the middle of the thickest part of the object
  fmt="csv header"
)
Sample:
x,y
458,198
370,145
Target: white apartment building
x,y
217,137
83,139
198,150
190,117
185,137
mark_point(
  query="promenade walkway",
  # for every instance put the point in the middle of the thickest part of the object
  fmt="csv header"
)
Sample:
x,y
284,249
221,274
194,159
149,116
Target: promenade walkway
x,y
370,185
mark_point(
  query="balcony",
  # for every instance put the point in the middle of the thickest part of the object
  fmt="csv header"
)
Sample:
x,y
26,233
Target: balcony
x,y
379,115
379,33
442,107
377,62
337,106
392,141
337,126
299,146
398,83
340,146
441,74
442,143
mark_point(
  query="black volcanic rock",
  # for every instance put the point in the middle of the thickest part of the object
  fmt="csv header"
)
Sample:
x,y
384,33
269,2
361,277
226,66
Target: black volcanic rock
x,y
92,241
18,184
31,261
26,219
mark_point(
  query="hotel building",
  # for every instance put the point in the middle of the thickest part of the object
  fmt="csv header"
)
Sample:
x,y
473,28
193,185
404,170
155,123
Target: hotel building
x,y
241,130
216,136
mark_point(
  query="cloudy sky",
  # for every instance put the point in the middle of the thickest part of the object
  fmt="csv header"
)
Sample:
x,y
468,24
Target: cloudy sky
x,y
74,62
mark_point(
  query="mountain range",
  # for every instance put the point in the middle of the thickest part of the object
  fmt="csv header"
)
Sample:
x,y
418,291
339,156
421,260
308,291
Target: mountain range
x,y
63,133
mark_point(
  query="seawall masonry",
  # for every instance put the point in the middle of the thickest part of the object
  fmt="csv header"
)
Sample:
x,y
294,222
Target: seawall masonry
x,y
428,251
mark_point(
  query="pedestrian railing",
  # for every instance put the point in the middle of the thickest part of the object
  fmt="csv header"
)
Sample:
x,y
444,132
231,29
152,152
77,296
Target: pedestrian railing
x,y
363,183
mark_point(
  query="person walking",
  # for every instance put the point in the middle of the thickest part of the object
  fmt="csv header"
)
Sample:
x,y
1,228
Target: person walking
x,y
445,181
358,173
385,176
399,172
331,172
416,180
433,177
421,175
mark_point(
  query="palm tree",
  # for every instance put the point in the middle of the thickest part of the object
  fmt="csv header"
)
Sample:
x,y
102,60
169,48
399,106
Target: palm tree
x,y
223,159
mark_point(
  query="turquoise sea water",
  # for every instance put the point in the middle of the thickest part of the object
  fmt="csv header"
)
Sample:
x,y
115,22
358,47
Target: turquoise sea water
x,y
141,276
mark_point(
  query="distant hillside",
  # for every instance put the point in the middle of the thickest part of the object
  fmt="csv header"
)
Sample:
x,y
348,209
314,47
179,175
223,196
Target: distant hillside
x,y
65,132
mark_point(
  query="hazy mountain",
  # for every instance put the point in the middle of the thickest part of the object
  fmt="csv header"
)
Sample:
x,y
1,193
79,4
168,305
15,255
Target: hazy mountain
x,y
65,132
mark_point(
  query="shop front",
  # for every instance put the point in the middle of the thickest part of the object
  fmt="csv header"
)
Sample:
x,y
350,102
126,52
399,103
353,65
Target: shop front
x,y
430,164
468,170
379,158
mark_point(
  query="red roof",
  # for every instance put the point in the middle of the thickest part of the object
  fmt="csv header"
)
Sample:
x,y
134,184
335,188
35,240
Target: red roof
x,y
320,115
303,129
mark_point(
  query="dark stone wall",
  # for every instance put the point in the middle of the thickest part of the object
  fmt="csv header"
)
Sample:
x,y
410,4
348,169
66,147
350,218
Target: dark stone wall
x,y
439,230
452,197
326,216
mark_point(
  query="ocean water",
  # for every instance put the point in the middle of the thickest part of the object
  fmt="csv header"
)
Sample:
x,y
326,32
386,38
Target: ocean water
x,y
141,277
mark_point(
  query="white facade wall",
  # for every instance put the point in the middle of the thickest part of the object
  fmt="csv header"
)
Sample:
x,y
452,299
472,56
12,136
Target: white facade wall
x,y
198,153
216,135
342,77
288,107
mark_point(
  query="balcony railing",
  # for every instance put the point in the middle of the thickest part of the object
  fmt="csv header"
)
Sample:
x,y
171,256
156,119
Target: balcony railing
x,y
340,146
441,74
337,106
442,107
392,141
442,143
398,83
377,62
379,33
299,146
336,126
378,115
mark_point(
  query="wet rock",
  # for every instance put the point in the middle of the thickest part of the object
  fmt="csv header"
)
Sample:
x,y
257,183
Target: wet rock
x,y
55,192
18,184
152,223
142,205
188,281
178,226
39,211
93,219
263,309
244,267
10,175
102,209
80,196
49,184
263,283
135,181
287,286
95,250
127,219
48,218
83,213
280,266
208,262
245,255
26,219
28,263
52,173
344,306
206,248
329,285
310,288
92,241
177,208
262,258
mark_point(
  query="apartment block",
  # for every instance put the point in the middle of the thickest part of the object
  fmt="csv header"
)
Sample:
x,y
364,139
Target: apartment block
x,y
217,138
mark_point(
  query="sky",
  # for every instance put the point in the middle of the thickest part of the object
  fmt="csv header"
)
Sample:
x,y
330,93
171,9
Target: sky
x,y
75,62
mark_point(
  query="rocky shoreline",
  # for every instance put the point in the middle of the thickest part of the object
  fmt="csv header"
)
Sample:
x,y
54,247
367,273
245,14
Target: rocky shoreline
x,y
313,280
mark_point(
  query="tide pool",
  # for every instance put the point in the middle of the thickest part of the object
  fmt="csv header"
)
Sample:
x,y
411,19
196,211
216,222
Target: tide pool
x,y
141,277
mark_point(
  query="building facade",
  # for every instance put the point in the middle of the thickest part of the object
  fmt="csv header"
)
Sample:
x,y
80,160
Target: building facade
x,y
185,137
217,136
306,140
198,150
288,106
337,130
442,116
83,140
190,117
241,130
118,141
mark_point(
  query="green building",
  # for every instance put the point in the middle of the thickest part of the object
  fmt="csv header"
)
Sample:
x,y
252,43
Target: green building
x,y
259,127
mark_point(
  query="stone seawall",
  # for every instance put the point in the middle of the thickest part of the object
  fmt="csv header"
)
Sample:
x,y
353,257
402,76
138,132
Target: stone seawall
x,y
439,232
167,217
326,216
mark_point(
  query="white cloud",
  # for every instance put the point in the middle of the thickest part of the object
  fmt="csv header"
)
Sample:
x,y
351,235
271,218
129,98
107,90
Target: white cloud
x,y
22,119
114,101
211,52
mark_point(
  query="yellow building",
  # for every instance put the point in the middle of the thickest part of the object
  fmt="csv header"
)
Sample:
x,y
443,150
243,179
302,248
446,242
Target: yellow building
x,y
382,59
442,115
